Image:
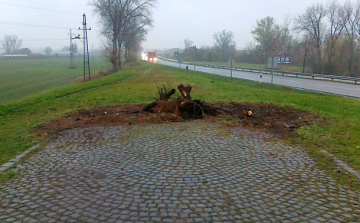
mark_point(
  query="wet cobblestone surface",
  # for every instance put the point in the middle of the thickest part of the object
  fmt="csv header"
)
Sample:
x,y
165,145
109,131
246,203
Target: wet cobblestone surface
x,y
183,172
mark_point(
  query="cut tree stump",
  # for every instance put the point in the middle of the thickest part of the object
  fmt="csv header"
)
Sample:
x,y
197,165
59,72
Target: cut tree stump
x,y
183,106
185,91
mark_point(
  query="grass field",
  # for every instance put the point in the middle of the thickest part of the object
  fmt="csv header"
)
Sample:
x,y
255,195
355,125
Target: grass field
x,y
340,136
21,78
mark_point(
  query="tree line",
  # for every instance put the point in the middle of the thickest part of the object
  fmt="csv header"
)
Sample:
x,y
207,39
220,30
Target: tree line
x,y
325,38
12,44
124,24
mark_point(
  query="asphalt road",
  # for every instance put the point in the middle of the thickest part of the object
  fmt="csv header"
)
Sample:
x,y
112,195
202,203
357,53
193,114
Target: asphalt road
x,y
323,86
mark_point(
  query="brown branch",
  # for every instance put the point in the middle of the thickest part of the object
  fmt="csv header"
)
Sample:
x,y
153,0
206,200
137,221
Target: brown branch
x,y
148,107
223,109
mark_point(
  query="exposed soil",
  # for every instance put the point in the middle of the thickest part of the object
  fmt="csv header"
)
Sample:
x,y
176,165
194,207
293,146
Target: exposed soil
x,y
272,118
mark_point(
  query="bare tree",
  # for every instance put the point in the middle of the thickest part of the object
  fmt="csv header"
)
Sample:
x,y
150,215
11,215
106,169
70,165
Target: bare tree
x,y
112,16
134,34
306,45
47,50
11,44
351,17
336,20
287,40
188,43
138,21
224,41
115,15
312,23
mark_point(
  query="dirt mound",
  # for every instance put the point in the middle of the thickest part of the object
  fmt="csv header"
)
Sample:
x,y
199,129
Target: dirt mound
x,y
275,119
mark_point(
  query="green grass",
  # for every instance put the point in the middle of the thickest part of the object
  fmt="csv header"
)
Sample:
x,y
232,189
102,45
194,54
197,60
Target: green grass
x,y
6,176
340,136
21,78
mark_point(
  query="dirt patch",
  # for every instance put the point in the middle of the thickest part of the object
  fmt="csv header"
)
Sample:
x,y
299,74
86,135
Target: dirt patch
x,y
272,118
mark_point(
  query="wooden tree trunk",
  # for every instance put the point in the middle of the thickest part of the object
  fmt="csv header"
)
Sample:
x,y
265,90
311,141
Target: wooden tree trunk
x,y
187,107
185,91
183,106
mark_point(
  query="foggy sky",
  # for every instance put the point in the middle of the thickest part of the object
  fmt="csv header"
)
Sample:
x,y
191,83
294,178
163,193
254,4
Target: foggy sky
x,y
174,20
37,38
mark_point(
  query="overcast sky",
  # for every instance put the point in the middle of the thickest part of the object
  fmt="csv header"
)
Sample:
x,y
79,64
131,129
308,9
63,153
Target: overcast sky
x,y
174,20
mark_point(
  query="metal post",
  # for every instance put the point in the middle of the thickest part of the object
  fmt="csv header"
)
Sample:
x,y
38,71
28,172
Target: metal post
x,y
86,48
272,70
84,36
231,65
70,48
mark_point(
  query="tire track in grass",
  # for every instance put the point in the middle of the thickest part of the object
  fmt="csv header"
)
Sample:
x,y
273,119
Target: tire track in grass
x,y
92,88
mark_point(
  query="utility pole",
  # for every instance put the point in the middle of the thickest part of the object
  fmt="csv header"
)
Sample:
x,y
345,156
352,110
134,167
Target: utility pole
x,y
86,48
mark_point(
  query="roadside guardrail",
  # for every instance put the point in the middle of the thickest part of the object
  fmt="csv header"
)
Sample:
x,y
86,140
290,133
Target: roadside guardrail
x,y
337,78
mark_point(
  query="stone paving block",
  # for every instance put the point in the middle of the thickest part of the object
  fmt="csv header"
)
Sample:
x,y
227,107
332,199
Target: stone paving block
x,y
208,173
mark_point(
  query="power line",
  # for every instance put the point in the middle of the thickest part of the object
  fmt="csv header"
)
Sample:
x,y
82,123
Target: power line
x,y
32,25
49,10
45,39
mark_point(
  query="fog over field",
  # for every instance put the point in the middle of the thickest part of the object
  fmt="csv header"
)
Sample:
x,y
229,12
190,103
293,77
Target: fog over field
x,y
41,23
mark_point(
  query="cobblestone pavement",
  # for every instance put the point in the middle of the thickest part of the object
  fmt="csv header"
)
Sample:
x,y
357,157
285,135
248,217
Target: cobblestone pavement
x,y
183,172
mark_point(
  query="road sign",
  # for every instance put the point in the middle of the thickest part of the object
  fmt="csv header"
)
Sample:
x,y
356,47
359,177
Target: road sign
x,y
284,60
272,62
